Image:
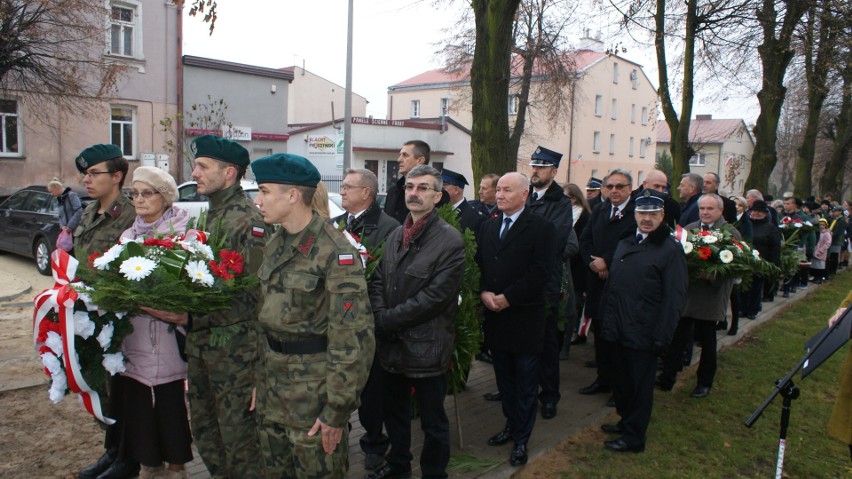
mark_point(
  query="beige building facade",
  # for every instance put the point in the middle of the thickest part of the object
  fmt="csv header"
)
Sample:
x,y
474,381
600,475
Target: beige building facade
x,y
313,99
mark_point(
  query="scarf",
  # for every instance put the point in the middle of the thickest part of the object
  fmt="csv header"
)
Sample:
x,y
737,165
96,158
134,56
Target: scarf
x,y
162,225
577,211
411,229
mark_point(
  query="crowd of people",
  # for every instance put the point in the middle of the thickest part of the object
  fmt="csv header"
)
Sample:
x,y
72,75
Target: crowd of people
x,y
272,382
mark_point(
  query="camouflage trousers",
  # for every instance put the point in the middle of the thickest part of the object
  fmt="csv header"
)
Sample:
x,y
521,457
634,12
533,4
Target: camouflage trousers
x,y
289,452
221,378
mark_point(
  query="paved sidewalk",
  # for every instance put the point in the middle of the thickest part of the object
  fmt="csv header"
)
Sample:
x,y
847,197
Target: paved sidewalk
x,y
479,419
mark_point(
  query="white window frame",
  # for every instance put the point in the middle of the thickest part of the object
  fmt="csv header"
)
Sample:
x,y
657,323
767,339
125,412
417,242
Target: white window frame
x,y
598,105
644,119
134,130
698,159
630,148
514,104
415,108
135,7
445,106
612,144
642,148
596,142
632,113
3,119
615,72
634,78
614,112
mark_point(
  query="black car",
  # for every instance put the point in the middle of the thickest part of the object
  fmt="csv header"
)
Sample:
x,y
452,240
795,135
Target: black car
x,y
29,225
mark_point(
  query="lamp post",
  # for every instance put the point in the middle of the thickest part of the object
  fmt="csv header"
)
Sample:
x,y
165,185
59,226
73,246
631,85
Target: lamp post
x,y
347,102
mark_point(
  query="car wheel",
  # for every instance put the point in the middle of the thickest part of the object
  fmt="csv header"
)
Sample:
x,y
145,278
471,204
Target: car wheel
x,y
41,253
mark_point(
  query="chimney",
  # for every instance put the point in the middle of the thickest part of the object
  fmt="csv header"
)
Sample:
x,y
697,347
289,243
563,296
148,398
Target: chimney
x,y
703,117
587,42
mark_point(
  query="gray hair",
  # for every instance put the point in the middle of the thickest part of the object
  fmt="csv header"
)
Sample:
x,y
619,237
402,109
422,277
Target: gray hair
x,y
756,193
367,177
696,180
55,183
426,170
716,197
622,172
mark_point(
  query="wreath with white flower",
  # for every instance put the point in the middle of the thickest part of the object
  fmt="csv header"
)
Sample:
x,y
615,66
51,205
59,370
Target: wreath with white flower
x,y
718,254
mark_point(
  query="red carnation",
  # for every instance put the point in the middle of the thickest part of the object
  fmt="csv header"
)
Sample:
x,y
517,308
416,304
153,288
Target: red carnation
x,y
93,257
797,220
220,270
164,243
704,253
232,260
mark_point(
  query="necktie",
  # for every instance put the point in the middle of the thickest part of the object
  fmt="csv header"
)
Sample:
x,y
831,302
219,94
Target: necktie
x,y
349,222
535,196
614,213
639,238
704,227
507,222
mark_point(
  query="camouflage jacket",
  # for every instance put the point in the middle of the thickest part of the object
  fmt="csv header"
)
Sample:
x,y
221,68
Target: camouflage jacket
x,y
313,287
235,216
100,231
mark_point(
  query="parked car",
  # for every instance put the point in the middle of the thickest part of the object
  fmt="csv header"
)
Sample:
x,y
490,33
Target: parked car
x,y
29,224
190,200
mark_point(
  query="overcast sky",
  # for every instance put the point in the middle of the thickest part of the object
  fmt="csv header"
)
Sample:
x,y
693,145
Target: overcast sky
x,y
393,40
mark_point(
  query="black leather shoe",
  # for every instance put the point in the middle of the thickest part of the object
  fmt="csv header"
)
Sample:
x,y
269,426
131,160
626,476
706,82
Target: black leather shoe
x,y
496,396
578,340
548,410
700,391
612,429
732,332
590,364
594,388
611,401
102,464
619,445
500,438
519,455
388,472
121,470
662,385
373,461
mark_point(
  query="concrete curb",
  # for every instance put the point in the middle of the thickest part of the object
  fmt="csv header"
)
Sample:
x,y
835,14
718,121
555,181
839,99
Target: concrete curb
x,y
9,291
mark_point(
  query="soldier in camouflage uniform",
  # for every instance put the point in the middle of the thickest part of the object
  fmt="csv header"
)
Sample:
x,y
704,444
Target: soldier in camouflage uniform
x,y
104,168
222,346
315,325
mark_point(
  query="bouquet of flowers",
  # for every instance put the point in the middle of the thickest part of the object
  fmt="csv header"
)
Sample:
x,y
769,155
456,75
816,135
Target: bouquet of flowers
x,y
795,227
173,273
718,254
78,343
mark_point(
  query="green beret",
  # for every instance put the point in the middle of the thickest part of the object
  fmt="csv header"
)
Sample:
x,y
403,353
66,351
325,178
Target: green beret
x,y
96,154
223,149
287,169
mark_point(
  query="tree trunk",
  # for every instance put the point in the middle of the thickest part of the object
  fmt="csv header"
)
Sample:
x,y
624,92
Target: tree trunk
x,y
832,181
775,55
489,79
816,72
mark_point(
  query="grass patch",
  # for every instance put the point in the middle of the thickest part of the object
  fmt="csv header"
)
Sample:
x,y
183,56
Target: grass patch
x,y
690,438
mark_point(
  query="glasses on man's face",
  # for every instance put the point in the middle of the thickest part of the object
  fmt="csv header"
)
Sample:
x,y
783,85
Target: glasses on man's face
x,y
617,187
92,174
144,194
351,187
421,188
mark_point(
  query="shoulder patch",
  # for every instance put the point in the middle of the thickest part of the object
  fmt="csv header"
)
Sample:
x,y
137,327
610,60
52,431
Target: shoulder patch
x,y
258,231
345,259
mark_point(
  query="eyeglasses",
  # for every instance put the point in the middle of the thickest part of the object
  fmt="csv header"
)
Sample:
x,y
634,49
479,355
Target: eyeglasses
x,y
351,187
618,187
90,175
421,188
144,194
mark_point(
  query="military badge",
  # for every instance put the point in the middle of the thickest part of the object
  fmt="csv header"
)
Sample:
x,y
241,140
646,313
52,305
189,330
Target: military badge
x,y
348,309
258,231
82,162
345,259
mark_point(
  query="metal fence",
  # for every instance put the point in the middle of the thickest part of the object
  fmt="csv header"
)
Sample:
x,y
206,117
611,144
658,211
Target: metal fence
x,y
333,183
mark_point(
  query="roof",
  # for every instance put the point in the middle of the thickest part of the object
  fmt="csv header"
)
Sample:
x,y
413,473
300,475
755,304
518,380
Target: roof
x,y
236,67
420,123
704,130
440,76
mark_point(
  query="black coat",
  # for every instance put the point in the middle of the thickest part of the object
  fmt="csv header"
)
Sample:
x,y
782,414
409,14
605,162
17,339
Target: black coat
x,y
671,208
555,207
470,217
689,211
766,239
414,294
490,211
373,226
517,267
729,210
600,237
645,292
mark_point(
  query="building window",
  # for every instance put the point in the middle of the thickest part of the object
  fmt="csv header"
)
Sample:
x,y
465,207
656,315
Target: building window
x,y
640,177
595,173
123,130
642,144
596,142
697,159
615,72
611,144
415,108
634,78
598,105
445,106
644,115
630,148
514,103
614,108
438,165
633,113
123,30
11,128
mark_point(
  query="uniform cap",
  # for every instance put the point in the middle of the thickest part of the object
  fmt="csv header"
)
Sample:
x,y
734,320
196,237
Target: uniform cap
x,y
544,157
159,180
453,178
837,208
222,149
594,183
650,200
286,169
96,154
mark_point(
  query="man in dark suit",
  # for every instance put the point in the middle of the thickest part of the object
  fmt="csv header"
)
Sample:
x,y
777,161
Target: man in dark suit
x,y
609,222
487,202
643,296
593,192
711,185
689,189
365,219
412,153
469,217
547,199
515,256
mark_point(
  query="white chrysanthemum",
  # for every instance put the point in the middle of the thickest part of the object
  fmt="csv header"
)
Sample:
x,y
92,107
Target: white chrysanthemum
x,y
83,326
54,342
198,248
756,253
199,273
137,268
124,240
58,385
726,256
51,363
102,262
797,225
114,363
105,336
687,247
808,223
206,251
709,239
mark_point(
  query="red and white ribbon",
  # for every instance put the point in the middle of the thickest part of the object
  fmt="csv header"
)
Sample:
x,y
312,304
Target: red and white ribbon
x,y
62,298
